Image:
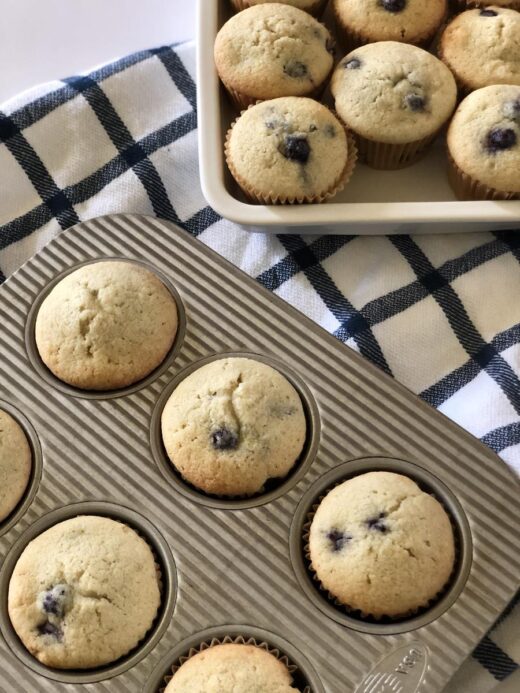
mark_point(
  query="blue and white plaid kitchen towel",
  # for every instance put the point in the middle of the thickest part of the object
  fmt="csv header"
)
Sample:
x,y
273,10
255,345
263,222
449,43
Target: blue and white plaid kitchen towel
x,y
439,313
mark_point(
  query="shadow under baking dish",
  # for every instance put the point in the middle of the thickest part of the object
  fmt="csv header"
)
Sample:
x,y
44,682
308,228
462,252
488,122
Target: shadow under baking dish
x,y
304,675
273,488
51,379
162,555
350,618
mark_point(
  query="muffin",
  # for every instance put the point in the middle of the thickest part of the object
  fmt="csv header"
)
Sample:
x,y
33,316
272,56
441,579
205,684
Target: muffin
x,y
273,50
15,464
462,5
484,145
231,667
395,98
84,593
314,7
232,425
289,150
381,546
482,47
368,21
106,325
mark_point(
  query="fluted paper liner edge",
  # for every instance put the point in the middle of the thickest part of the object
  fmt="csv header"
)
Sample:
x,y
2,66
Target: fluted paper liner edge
x,y
272,199
238,640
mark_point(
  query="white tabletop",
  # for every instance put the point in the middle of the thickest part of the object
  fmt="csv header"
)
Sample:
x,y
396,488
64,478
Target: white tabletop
x,y
41,40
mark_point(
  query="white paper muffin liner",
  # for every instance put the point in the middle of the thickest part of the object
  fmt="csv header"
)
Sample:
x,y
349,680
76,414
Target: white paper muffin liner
x,y
466,187
390,157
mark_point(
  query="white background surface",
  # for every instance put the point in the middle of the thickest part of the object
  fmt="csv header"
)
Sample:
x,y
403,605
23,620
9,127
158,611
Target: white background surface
x,y
42,40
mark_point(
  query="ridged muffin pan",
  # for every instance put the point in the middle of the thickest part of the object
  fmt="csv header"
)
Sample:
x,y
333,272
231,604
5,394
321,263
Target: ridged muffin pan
x,y
237,567
414,200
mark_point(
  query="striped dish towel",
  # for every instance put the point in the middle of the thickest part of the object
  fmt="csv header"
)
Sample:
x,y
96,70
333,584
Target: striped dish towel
x,y
439,313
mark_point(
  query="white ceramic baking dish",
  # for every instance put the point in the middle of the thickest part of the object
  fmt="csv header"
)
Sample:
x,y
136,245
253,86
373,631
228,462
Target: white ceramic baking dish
x,y
415,200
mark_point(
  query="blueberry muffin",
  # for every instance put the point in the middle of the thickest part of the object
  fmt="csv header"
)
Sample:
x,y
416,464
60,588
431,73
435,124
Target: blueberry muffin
x,y
232,667
468,4
232,425
84,593
15,464
484,145
395,97
368,21
106,325
381,546
273,50
314,7
289,150
482,47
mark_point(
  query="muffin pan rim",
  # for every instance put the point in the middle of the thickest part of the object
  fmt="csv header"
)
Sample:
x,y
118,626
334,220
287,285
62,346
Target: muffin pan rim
x,y
36,472
161,551
294,654
361,410
48,376
297,472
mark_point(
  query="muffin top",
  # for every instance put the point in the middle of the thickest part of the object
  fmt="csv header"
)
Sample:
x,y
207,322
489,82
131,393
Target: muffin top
x,y
84,593
515,4
300,4
288,148
482,47
15,463
232,667
232,424
484,136
381,545
106,325
393,92
409,21
273,50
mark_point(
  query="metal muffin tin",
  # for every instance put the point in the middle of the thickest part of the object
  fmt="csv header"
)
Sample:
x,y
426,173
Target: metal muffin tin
x,y
236,565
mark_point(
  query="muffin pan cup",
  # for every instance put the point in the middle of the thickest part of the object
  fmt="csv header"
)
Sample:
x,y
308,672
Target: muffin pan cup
x,y
352,618
274,487
51,379
36,467
300,668
167,579
234,561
